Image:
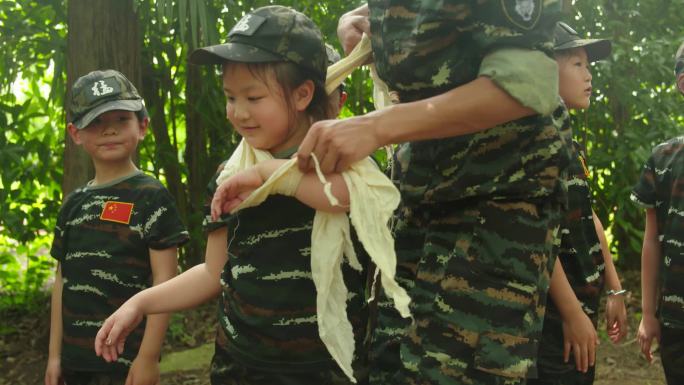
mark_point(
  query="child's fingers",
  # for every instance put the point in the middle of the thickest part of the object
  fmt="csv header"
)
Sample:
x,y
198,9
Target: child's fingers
x,y
101,336
566,351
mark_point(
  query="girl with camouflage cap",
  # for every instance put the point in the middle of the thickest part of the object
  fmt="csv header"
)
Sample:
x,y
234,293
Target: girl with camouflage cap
x,y
274,69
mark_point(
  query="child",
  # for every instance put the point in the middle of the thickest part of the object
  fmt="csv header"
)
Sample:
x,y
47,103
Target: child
x,y
584,260
662,286
274,68
114,237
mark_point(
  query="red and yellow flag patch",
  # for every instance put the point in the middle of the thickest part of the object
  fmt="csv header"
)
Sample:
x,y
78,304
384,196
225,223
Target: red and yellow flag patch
x,y
119,212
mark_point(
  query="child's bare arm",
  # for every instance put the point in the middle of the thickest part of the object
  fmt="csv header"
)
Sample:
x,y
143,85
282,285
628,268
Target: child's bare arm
x,y
145,367
649,328
193,287
53,372
579,334
616,312
309,189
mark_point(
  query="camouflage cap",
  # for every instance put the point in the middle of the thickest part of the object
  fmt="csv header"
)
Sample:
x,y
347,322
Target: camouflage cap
x,y
679,60
332,54
565,37
270,34
101,91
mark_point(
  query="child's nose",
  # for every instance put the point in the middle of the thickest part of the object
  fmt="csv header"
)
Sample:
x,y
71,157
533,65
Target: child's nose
x,y
240,111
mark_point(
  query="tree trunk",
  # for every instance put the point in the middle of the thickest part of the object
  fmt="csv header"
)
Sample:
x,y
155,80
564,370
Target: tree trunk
x,y
103,34
199,171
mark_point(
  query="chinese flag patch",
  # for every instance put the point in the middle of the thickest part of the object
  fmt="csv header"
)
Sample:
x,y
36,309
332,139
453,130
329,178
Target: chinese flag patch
x,y
119,212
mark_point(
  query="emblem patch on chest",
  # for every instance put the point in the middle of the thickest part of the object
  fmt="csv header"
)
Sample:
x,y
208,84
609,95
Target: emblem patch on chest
x,y
119,212
522,13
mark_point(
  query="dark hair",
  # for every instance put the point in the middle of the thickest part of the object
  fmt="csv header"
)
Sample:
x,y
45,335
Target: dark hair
x,y
290,76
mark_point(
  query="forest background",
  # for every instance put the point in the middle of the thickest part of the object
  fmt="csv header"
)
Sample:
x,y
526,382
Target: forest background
x,y
46,44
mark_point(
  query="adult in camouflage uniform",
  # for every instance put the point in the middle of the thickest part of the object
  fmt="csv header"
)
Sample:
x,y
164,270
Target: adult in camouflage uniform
x,y
114,237
479,221
659,190
259,258
584,261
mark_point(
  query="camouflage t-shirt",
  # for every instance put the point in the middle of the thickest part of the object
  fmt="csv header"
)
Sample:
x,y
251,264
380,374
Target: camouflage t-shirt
x,y
102,240
580,249
267,309
661,187
425,48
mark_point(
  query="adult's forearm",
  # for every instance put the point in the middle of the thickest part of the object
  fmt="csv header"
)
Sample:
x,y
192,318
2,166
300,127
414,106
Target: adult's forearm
x,y
472,107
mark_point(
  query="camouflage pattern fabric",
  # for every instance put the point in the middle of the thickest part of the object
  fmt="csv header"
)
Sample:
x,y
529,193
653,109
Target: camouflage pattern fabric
x,y
582,259
100,91
424,48
672,354
93,378
102,240
270,34
267,311
478,232
661,187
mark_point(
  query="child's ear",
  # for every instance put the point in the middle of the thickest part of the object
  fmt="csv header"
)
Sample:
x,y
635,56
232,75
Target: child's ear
x,y
680,82
74,133
304,94
143,124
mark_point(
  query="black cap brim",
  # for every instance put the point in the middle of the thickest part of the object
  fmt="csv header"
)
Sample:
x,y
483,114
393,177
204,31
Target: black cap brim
x,y
125,105
597,49
217,54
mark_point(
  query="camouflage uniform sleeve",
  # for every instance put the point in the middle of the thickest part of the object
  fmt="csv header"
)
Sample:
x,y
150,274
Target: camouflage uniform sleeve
x,y
644,193
57,249
529,76
209,224
163,227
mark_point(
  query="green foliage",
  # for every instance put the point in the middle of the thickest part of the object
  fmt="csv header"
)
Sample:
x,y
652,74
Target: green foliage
x,y
636,107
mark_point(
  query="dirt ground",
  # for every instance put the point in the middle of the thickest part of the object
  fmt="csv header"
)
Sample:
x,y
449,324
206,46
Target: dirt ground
x,y
24,341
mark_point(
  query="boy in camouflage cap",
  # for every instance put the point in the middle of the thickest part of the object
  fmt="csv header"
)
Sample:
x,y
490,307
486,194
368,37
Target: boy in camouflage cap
x,y
584,261
481,173
662,257
114,237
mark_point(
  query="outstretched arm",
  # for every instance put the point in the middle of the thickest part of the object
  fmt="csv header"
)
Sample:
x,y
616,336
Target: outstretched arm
x,y
193,287
616,312
472,107
649,328
145,367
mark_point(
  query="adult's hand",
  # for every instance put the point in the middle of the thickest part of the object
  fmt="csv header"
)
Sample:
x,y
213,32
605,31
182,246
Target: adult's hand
x,y
338,143
351,26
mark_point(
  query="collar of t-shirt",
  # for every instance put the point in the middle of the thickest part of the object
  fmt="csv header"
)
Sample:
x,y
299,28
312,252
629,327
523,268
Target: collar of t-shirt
x,y
91,186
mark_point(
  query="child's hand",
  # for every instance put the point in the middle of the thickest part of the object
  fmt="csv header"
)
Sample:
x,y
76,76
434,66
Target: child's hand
x,y
616,318
234,190
580,336
53,372
109,341
649,328
143,371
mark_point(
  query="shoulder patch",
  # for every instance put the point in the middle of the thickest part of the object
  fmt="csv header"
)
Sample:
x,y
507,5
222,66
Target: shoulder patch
x,y
522,13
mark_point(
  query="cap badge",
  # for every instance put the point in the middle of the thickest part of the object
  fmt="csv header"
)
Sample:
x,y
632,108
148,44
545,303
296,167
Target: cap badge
x,y
101,88
522,13
243,24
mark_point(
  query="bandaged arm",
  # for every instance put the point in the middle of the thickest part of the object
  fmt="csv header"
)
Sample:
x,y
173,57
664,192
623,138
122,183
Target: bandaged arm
x,y
307,187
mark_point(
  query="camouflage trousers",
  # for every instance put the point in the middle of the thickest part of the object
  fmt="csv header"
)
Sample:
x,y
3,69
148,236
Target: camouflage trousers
x,y
551,368
478,278
672,354
72,377
225,370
